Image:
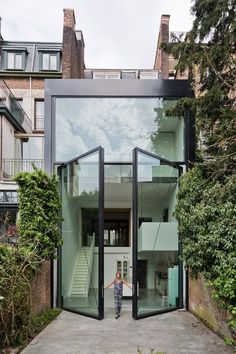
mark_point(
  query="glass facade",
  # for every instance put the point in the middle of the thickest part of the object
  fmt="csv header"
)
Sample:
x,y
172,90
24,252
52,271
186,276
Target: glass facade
x,y
80,267
124,220
118,125
157,237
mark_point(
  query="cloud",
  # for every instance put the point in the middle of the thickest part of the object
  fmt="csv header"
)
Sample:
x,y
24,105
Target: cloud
x,y
117,124
118,33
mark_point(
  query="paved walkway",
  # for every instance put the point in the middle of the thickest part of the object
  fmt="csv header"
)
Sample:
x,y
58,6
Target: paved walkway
x,y
176,332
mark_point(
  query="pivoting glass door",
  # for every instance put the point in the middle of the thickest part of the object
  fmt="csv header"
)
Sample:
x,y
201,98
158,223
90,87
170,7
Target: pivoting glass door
x,y
157,273
81,267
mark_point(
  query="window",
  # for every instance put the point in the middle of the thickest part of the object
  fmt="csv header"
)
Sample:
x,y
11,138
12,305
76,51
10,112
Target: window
x,y
14,61
119,124
14,58
8,197
106,75
20,101
50,61
149,75
33,149
39,115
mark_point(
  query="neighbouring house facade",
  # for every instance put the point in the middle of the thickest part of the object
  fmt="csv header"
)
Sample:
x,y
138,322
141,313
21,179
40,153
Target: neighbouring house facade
x,y
118,157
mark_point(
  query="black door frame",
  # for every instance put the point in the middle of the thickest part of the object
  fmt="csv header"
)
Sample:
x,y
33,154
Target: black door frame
x,y
100,238
135,235
102,163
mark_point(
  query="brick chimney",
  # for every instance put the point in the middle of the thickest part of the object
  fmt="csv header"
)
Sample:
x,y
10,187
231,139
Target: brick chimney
x,y
1,38
162,59
72,48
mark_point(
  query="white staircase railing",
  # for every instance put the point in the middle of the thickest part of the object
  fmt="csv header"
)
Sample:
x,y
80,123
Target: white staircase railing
x,y
83,270
90,264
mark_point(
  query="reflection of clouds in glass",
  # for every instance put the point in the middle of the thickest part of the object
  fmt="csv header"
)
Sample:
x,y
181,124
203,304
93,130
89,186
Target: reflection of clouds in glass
x,y
117,124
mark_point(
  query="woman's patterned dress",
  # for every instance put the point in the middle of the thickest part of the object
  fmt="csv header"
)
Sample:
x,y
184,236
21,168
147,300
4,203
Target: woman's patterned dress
x,y
118,292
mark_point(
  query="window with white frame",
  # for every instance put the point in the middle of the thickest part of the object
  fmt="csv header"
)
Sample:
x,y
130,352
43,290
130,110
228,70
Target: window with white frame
x,y
39,114
106,75
14,61
50,61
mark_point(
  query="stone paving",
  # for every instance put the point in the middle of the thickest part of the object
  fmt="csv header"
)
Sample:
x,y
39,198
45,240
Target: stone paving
x,y
177,332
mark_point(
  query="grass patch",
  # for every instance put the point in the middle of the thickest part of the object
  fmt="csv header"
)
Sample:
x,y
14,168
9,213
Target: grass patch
x,y
40,321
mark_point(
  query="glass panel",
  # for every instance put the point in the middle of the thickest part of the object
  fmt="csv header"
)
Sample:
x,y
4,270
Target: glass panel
x,y
45,64
80,257
39,115
10,60
117,124
157,239
8,230
18,61
53,62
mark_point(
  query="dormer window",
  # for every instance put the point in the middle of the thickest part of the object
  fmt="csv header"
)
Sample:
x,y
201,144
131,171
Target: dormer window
x,y
14,58
49,60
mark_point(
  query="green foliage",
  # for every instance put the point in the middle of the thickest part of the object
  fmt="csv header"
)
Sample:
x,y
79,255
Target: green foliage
x,y
43,319
39,215
17,265
206,212
38,226
208,55
206,208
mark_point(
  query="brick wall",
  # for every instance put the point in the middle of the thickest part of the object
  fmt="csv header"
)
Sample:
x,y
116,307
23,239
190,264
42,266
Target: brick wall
x,y
164,62
41,289
162,59
24,83
204,307
72,49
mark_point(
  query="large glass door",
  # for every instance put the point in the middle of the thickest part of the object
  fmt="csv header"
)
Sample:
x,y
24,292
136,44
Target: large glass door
x,y
157,273
82,255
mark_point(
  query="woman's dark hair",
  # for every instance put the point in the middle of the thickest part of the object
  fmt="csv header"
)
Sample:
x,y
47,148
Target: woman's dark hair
x,y
118,273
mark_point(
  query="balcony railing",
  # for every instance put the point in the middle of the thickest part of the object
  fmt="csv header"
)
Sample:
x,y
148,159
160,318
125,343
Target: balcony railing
x,y
10,167
8,100
39,122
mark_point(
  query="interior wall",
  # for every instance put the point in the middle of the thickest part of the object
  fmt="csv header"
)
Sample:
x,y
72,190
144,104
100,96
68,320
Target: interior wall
x,y
172,202
164,145
111,256
157,261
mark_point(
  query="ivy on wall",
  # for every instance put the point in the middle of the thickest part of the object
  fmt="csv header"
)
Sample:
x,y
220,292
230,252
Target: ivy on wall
x,y
39,236
206,212
39,208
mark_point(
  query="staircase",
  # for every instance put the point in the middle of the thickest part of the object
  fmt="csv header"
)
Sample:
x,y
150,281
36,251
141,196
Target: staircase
x,y
81,279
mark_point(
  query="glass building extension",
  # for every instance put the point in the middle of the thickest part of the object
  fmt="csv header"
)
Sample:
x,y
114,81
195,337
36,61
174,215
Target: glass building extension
x,y
120,157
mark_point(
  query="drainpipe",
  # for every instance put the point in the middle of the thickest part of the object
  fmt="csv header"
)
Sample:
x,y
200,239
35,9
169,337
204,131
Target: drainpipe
x,y
31,69
30,88
1,176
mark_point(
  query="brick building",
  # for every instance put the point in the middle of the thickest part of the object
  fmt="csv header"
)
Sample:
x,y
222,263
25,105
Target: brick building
x,y
122,185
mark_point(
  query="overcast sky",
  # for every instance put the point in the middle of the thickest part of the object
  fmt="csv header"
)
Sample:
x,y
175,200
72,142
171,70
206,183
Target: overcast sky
x,y
117,33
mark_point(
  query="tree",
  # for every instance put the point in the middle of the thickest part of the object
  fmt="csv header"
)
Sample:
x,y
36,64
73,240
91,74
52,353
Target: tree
x,y
209,56
206,208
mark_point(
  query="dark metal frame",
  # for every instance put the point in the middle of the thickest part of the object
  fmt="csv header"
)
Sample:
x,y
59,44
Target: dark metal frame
x,y
167,89
135,314
100,316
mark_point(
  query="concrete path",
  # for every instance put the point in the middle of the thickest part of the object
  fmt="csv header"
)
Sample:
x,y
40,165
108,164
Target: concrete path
x,y
176,332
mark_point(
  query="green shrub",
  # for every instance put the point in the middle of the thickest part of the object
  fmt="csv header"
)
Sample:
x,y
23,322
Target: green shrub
x,y
39,236
206,212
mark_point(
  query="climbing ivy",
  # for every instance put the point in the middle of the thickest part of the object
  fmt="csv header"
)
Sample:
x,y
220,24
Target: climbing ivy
x,y
39,236
39,209
206,212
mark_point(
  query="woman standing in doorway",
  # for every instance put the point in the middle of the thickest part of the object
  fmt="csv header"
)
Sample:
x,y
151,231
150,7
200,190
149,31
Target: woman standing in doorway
x,y
118,292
